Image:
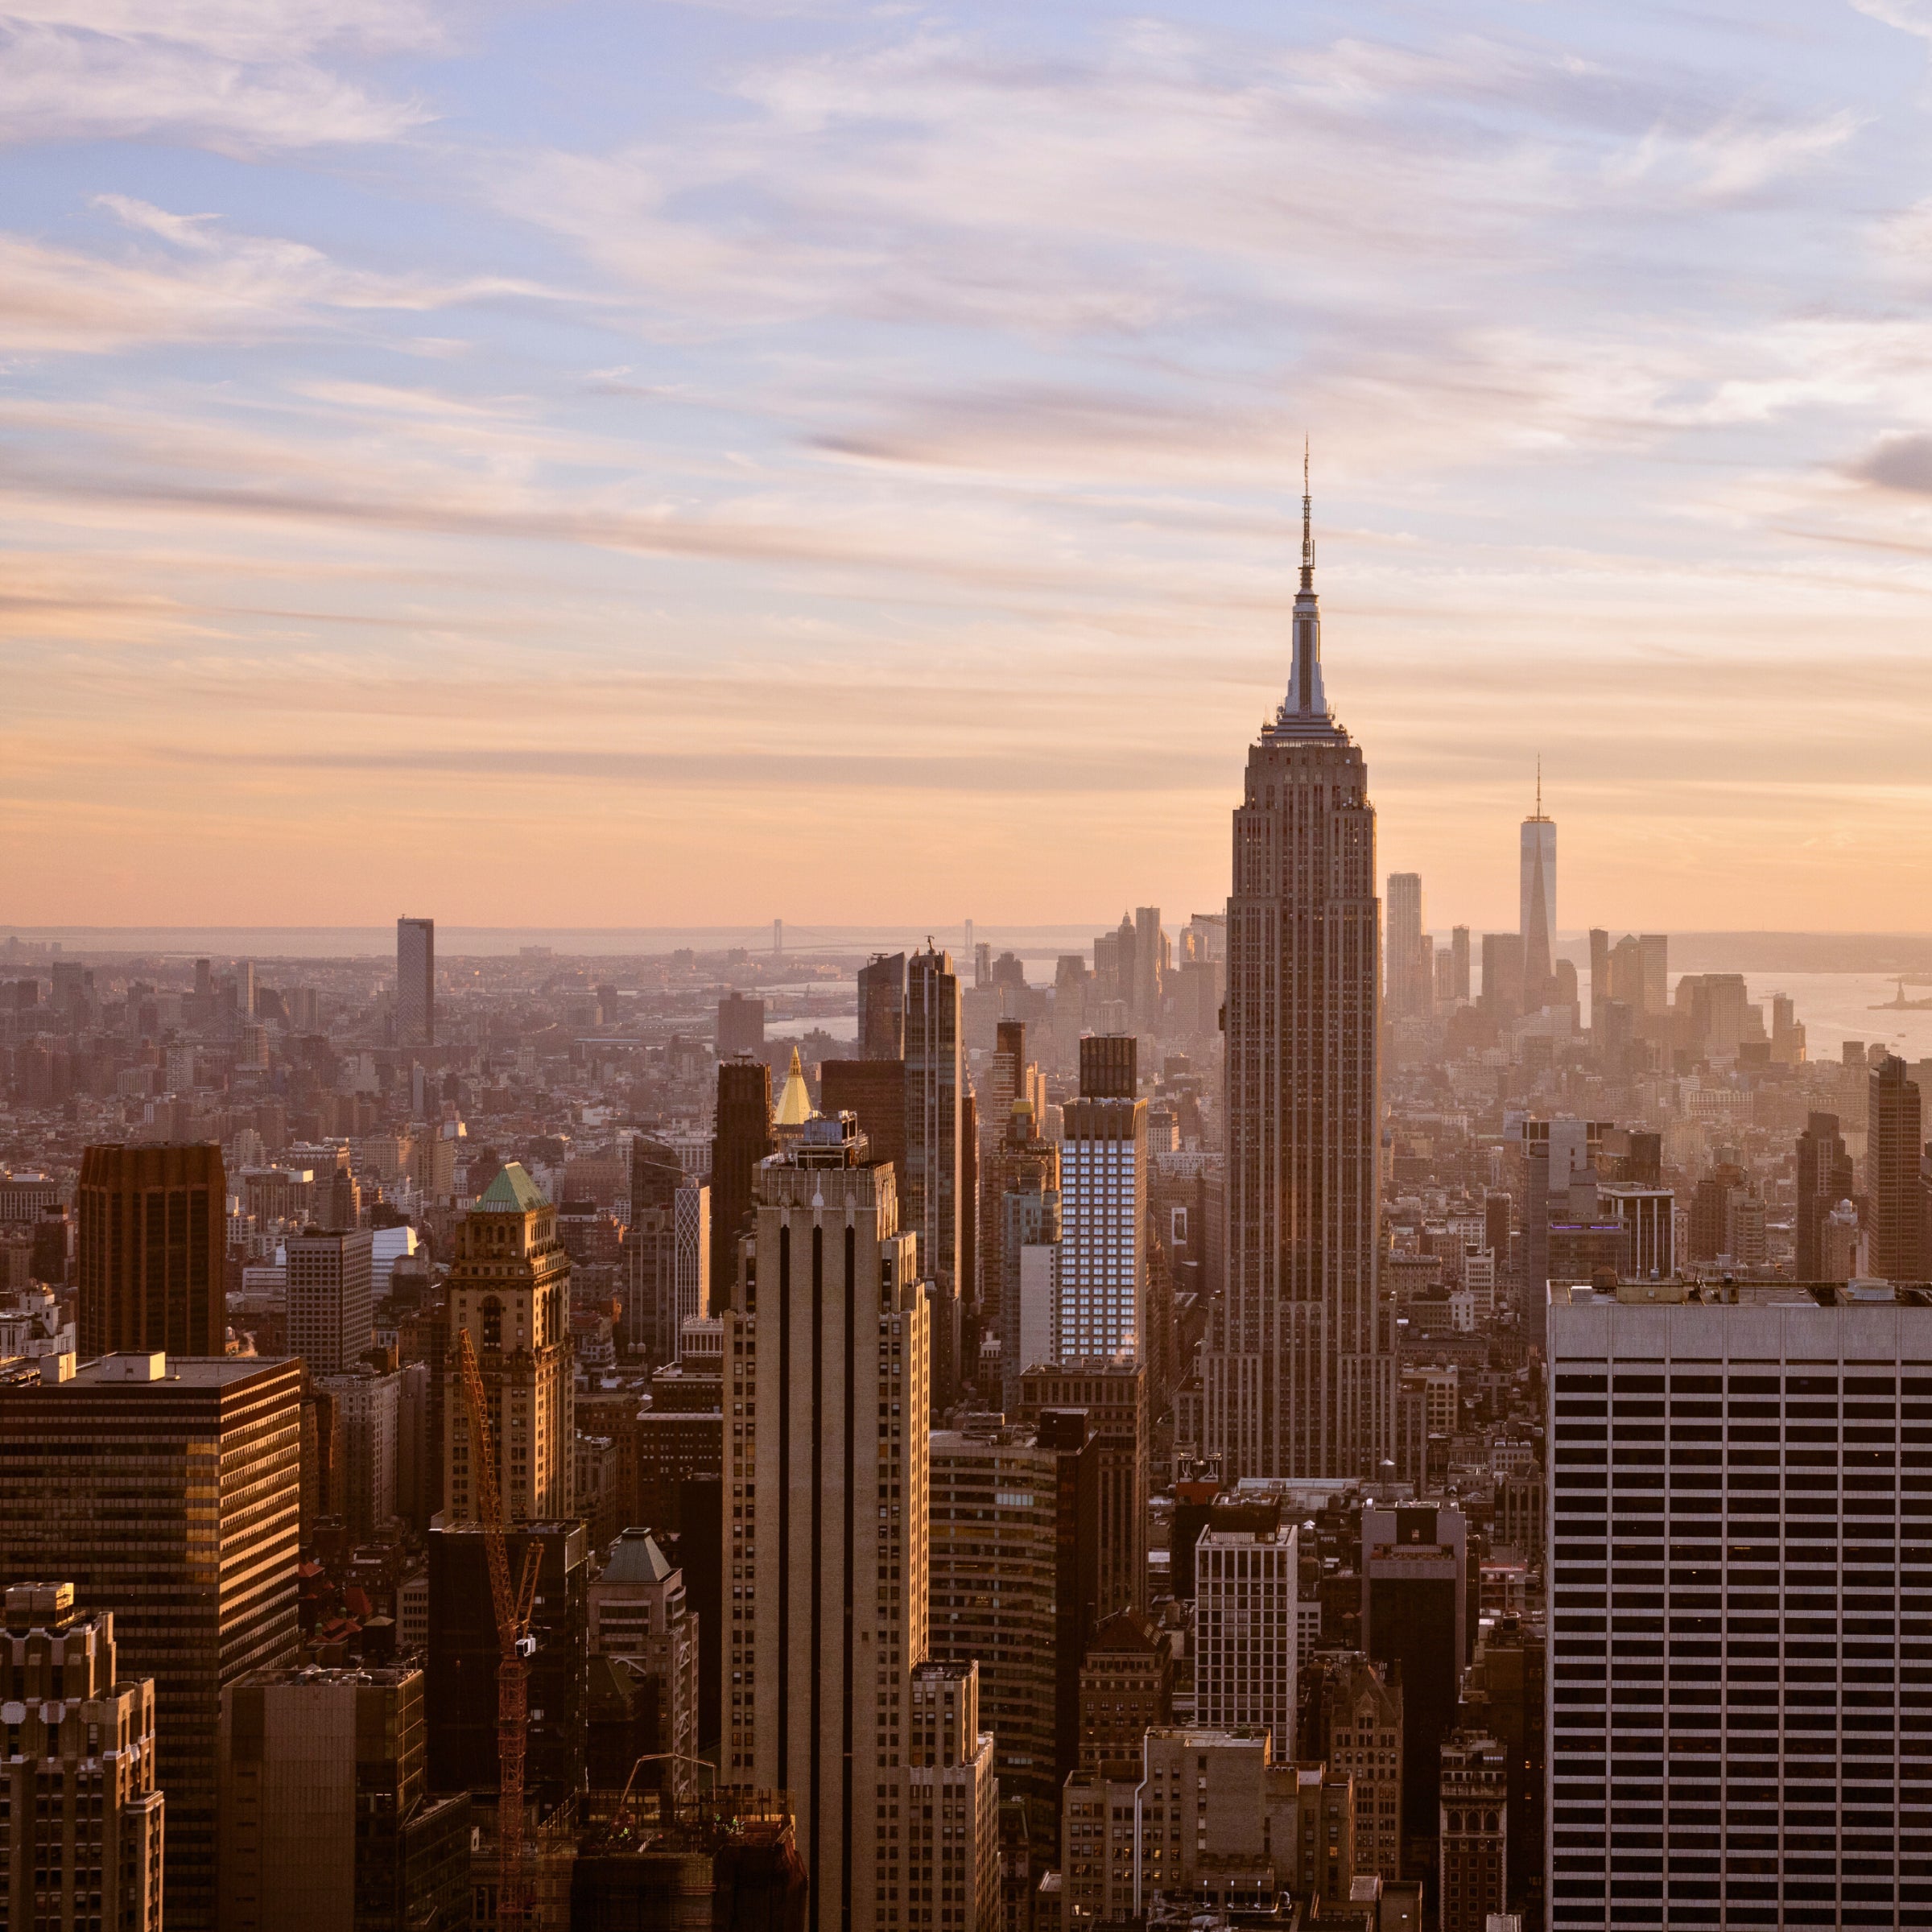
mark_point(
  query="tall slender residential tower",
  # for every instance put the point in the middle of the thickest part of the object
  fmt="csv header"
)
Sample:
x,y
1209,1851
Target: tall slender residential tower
x,y
1297,1379
1538,902
934,1072
416,982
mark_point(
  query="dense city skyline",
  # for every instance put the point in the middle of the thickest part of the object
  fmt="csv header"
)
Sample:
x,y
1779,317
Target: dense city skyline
x,y
1381,1382
629,480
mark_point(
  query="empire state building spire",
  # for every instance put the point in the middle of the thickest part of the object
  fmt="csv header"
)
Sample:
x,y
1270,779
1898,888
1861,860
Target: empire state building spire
x,y
1304,712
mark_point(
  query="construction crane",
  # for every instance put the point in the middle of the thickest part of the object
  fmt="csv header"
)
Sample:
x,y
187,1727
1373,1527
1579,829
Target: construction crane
x,y
515,1643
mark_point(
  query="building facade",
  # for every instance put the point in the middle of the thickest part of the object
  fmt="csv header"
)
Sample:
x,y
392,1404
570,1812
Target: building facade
x,y
936,1084
741,1137
1103,1265
328,1824
828,1368
1740,1555
153,1234
82,1822
415,982
1246,1586
1473,1876
168,1492
331,1297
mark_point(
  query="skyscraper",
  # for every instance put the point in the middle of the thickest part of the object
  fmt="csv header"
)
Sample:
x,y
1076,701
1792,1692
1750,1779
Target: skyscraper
x,y
828,1366
934,1074
1459,959
167,1491
1245,1584
882,1007
326,1816
415,982
331,1289
152,1243
1825,1178
1296,1379
1103,1272
1537,901
1405,988
740,1138
509,1290
1150,966
1796,1595
1895,1134
81,1819
740,1024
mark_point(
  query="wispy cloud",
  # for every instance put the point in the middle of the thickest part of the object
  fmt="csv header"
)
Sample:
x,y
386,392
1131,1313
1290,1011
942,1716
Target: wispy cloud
x,y
516,422
234,75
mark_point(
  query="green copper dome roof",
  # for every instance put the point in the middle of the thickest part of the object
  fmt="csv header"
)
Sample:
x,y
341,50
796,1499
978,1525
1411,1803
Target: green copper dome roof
x,y
513,1191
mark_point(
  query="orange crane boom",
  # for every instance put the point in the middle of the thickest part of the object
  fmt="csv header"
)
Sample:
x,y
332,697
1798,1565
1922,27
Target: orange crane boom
x,y
513,1608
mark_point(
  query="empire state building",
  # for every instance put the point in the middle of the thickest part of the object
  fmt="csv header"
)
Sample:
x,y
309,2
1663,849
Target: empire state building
x,y
1299,1375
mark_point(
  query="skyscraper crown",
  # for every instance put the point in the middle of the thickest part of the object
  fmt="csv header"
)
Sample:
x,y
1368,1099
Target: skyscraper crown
x,y
1304,712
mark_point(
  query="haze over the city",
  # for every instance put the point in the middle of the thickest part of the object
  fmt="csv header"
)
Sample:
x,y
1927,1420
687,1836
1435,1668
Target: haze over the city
x,y
675,464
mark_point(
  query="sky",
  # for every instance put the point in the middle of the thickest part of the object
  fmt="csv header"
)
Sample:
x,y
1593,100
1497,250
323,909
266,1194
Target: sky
x,y
636,464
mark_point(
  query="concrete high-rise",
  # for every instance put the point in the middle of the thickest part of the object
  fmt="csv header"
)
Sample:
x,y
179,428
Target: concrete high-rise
x,y
1537,901
1027,1292
952,1849
326,1822
1114,1397
875,1091
882,1007
1150,966
1736,1736
153,1243
82,1823
1296,1378
168,1491
331,1297
1894,1136
1245,1584
1103,1268
509,1291
1473,1876
1355,1726
1459,962
828,1362
1415,1623
1825,1178
1014,1578
415,982
934,1076
741,1137
641,1619
740,1024
1408,992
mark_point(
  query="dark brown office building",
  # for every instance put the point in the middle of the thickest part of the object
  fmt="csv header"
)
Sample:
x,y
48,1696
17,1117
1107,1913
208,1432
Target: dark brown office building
x,y
459,1706
153,1239
1895,1131
882,1008
740,1138
167,1489
1114,1394
1110,1066
875,1091
1825,1178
